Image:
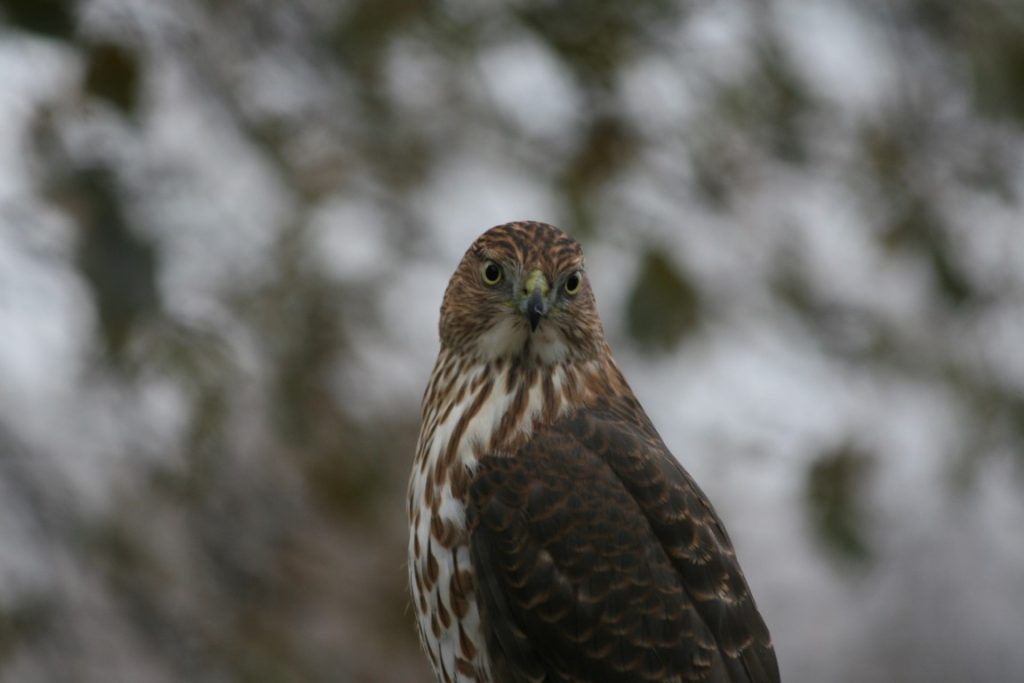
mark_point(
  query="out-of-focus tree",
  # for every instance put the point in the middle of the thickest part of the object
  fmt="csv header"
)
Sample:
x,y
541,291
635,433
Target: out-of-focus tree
x,y
237,209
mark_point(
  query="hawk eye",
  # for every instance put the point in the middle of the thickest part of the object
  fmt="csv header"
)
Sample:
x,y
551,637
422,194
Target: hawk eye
x,y
572,283
491,273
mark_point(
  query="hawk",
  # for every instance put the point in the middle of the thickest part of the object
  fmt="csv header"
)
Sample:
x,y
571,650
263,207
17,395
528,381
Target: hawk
x,y
553,536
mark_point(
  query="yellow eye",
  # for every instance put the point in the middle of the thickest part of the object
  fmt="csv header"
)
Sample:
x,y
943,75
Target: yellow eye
x,y
572,283
491,273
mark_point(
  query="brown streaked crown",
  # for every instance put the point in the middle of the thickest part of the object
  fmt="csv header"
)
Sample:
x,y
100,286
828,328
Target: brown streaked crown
x,y
473,308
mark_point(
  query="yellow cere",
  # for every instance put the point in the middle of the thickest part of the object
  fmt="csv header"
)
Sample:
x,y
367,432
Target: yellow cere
x,y
536,280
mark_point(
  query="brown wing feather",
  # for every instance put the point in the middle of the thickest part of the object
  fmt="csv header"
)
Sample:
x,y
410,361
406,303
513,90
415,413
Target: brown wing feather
x,y
599,559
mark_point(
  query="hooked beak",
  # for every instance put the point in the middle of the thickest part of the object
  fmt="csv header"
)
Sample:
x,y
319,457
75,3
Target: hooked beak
x,y
535,309
535,305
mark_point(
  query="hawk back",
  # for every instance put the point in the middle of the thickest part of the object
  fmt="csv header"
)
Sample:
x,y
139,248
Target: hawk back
x,y
599,559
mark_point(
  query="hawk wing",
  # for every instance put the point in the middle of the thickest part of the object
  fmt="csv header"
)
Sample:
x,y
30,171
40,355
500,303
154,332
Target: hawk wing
x,y
597,558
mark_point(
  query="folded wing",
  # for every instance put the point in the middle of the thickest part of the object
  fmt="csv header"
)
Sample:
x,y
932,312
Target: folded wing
x,y
597,558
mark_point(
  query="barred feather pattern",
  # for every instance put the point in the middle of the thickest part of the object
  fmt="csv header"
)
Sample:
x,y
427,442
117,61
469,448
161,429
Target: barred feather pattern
x,y
472,409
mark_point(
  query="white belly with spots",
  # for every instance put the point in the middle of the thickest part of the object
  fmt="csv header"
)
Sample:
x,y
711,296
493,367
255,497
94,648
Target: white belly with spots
x,y
450,634
440,569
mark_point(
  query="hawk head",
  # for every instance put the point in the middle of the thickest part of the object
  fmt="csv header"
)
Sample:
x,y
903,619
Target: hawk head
x,y
521,292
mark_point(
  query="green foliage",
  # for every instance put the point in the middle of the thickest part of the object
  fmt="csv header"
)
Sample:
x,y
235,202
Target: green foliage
x,y
604,149
989,35
835,488
118,264
663,305
768,103
114,73
596,38
52,18
22,623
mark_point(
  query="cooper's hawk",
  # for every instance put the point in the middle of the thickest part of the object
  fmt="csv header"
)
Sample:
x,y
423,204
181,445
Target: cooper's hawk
x,y
553,536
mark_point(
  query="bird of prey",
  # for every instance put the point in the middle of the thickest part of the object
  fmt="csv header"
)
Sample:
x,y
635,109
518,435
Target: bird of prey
x,y
553,536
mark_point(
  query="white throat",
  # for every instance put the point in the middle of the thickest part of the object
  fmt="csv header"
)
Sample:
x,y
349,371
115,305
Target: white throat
x,y
510,336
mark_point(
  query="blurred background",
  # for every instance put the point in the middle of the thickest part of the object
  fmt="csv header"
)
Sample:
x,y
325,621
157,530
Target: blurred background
x,y
225,230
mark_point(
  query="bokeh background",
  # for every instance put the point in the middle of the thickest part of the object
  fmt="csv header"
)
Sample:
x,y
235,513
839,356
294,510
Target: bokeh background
x,y
225,229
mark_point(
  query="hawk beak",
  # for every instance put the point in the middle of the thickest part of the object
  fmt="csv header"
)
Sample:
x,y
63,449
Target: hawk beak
x,y
535,306
535,309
